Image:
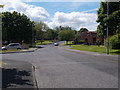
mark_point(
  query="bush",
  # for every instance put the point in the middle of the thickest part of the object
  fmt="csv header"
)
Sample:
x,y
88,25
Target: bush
x,y
79,42
98,42
114,42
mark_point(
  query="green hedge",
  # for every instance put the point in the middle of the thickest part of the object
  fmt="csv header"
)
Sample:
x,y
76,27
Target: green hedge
x,y
114,41
79,42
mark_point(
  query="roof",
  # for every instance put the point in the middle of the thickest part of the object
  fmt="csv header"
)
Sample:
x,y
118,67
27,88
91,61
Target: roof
x,y
90,32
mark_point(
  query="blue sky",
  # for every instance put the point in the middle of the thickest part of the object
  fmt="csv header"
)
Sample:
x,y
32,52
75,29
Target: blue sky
x,y
66,7
74,14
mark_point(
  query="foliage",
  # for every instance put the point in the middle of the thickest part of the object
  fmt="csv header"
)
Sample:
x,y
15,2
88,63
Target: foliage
x,y
78,42
16,27
67,35
114,41
40,28
83,30
98,42
112,21
51,34
43,43
1,6
60,28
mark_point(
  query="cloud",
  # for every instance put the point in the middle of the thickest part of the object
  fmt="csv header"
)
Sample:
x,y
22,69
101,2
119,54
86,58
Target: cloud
x,y
76,20
90,10
33,12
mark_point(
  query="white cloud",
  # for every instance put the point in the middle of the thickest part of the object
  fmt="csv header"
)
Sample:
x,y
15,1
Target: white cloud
x,y
33,12
76,20
90,10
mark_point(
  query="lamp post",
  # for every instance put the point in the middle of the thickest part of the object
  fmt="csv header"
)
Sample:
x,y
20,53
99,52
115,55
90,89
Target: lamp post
x,y
107,40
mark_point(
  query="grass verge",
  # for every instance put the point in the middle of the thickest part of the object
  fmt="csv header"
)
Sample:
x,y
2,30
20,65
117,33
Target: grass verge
x,y
14,50
44,43
94,48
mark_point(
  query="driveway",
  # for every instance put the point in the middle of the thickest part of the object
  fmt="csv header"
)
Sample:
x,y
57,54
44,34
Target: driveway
x,y
56,67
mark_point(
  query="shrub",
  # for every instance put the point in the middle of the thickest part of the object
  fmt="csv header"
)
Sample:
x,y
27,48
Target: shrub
x,y
114,42
98,42
79,42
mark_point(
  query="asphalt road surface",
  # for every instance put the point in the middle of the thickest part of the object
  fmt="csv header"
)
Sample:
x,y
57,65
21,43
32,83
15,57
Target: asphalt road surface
x,y
59,68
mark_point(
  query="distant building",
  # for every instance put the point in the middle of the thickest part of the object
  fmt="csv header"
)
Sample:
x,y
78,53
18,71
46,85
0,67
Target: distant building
x,y
90,38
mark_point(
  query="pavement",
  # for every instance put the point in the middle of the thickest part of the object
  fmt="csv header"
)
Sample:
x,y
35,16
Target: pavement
x,y
18,74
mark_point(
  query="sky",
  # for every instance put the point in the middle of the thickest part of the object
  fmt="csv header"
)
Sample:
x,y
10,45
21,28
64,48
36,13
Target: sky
x,y
74,14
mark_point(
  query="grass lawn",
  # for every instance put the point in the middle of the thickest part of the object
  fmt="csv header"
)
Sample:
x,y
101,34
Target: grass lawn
x,y
93,48
9,50
44,43
14,50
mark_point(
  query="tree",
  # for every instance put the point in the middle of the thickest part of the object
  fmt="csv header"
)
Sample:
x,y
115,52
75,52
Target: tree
x,y
1,6
77,35
60,28
51,34
113,20
16,27
83,30
67,35
40,28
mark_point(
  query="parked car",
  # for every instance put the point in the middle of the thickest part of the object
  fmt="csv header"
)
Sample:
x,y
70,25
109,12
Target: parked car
x,y
38,46
56,44
12,46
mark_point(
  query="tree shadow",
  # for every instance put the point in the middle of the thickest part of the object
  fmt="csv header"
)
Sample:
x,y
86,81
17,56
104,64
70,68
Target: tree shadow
x,y
116,52
11,77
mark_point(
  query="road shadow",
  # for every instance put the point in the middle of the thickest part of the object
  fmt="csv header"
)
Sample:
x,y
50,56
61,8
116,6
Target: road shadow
x,y
11,77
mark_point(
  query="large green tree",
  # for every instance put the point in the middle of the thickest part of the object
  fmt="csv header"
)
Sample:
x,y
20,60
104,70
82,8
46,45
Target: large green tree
x,y
67,35
112,21
40,29
83,30
51,34
16,27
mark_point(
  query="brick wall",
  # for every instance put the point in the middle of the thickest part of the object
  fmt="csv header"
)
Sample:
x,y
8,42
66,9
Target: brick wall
x,y
90,37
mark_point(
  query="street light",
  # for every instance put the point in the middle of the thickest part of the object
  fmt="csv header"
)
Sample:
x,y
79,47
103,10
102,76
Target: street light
x,y
107,40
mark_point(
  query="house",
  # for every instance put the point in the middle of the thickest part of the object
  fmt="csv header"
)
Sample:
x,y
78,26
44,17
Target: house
x,y
90,38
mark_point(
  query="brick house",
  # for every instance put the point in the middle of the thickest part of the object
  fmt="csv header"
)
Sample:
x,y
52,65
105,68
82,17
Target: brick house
x,y
90,38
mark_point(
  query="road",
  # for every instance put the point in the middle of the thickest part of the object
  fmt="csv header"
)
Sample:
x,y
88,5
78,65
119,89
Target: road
x,y
59,68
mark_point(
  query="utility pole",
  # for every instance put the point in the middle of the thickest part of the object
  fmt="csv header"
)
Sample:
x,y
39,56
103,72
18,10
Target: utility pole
x,y
1,6
32,36
107,40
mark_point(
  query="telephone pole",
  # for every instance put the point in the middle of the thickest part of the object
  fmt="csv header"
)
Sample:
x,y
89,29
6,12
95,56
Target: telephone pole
x,y
107,40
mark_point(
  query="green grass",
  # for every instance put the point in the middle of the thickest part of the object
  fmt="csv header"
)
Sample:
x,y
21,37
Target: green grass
x,y
44,43
69,43
9,50
94,48
13,50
